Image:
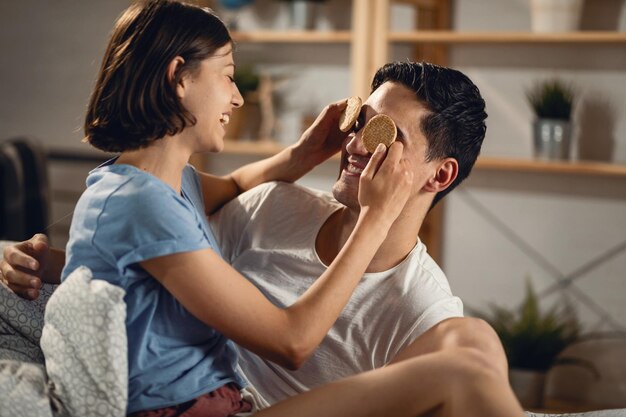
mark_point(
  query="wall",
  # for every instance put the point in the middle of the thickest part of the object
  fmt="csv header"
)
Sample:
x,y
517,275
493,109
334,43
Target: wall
x,y
565,233
500,227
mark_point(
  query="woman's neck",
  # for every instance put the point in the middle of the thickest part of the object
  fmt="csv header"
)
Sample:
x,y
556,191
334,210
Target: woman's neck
x,y
163,158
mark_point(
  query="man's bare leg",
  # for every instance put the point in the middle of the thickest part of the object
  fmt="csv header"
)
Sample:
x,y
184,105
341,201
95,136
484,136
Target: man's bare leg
x,y
459,332
455,382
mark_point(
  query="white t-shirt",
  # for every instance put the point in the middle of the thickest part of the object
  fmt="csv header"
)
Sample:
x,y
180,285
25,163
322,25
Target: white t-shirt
x,y
268,234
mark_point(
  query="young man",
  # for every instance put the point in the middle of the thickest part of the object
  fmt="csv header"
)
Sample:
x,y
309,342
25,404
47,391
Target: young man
x,y
281,236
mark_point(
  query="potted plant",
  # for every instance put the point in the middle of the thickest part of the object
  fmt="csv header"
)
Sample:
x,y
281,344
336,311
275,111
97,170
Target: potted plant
x,y
532,341
552,102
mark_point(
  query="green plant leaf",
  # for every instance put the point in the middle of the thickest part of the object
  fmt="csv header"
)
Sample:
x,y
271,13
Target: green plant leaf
x,y
551,99
532,339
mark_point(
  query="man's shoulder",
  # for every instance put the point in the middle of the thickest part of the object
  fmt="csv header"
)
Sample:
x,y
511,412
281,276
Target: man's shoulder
x,y
285,194
420,268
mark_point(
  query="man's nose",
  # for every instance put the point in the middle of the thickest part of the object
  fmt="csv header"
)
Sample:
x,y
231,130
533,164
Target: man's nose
x,y
355,145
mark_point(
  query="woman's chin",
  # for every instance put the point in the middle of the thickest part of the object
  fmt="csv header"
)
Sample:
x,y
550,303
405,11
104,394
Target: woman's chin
x,y
215,146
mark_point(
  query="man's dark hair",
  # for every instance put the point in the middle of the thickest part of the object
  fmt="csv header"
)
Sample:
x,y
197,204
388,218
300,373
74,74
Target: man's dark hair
x,y
455,123
134,102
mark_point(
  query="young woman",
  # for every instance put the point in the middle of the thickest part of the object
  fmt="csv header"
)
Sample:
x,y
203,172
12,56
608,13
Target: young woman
x,y
165,91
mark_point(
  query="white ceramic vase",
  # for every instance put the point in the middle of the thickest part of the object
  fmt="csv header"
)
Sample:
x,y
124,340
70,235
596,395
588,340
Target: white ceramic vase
x,y
528,386
555,15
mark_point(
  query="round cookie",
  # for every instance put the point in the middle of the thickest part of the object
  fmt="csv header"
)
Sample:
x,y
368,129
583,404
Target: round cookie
x,y
379,129
350,113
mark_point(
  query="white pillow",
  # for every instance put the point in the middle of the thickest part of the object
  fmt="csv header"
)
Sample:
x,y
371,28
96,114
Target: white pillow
x,y
23,390
85,347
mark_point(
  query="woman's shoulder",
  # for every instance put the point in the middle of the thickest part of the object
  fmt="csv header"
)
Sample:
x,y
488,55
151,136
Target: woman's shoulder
x,y
124,189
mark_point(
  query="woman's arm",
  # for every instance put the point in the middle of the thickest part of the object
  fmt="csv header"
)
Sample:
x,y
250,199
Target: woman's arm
x,y
318,143
223,299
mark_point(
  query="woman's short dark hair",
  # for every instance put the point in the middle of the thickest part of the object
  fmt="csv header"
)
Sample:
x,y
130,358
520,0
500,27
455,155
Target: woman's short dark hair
x,y
455,123
133,102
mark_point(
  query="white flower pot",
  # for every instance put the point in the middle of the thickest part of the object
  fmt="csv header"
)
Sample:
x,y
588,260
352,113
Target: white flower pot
x,y
555,15
528,386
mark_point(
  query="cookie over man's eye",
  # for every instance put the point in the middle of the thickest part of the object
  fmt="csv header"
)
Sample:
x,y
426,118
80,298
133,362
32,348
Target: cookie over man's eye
x,y
380,129
350,114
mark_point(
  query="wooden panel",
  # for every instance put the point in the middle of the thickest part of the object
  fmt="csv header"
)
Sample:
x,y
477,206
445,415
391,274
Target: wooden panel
x,y
378,36
431,232
360,50
433,16
431,19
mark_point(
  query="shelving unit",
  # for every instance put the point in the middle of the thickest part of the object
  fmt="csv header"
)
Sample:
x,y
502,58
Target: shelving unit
x,y
590,168
370,40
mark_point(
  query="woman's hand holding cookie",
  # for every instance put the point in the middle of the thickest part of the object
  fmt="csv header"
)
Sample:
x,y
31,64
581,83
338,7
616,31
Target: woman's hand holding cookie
x,y
324,137
385,183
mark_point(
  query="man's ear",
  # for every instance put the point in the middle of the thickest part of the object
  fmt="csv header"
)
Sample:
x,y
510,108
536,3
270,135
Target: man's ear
x,y
173,68
446,173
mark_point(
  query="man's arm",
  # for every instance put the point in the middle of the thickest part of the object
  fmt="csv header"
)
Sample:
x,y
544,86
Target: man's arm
x,y
318,143
27,264
454,333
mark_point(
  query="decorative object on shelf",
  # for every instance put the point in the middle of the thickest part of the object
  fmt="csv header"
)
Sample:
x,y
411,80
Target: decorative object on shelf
x,y
552,102
532,341
255,120
555,15
266,104
303,13
231,9
247,79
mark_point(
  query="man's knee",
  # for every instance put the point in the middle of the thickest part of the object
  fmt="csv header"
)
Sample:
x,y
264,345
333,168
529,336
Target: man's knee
x,y
471,332
467,332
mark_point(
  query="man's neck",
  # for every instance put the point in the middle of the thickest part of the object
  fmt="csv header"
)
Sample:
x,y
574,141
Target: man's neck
x,y
400,240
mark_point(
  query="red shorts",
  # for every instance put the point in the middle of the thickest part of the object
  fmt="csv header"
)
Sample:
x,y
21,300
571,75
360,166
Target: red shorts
x,y
223,402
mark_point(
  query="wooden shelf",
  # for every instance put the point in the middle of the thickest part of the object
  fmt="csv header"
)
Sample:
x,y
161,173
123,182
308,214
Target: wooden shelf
x,y
552,167
263,147
292,36
452,37
267,148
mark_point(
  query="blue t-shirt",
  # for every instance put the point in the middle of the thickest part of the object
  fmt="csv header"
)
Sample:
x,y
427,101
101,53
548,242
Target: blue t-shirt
x,y
126,216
